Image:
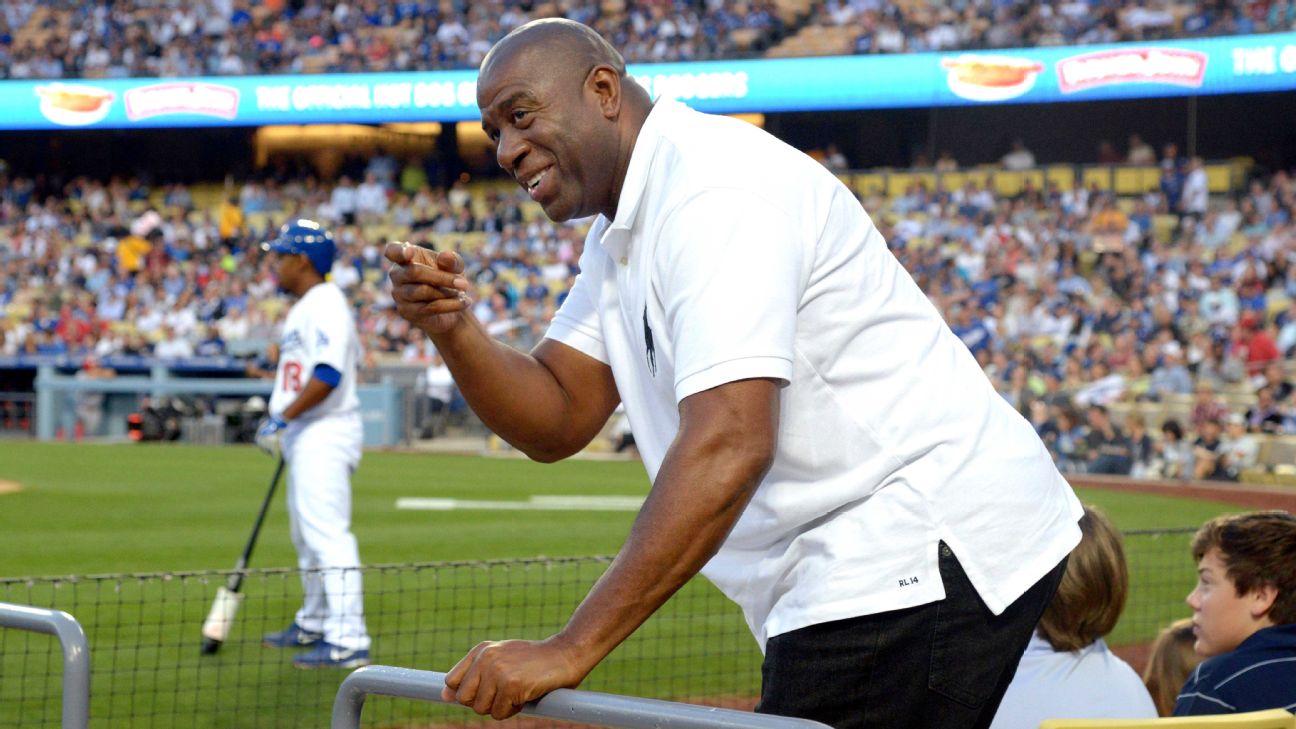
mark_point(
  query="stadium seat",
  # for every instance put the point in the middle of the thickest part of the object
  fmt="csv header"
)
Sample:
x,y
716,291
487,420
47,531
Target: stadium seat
x,y
1007,182
897,183
1281,451
870,183
1101,177
1063,175
1219,177
1269,719
1035,177
1136,180
952,180
1275,303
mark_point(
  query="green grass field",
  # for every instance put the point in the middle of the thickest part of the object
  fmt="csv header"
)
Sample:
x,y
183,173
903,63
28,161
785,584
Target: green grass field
x,y
112,509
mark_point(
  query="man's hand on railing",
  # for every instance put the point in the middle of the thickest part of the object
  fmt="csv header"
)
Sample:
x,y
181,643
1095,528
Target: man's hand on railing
x,y
500,677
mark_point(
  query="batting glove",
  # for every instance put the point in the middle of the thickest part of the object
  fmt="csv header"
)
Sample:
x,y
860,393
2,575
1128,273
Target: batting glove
x,y
269,435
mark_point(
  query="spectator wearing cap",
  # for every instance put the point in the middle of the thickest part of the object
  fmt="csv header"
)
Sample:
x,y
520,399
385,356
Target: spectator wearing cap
x,y
1108,449
1252,344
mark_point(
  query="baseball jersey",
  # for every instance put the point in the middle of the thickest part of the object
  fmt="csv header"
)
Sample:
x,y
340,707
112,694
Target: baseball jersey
x,y
319,329
734,256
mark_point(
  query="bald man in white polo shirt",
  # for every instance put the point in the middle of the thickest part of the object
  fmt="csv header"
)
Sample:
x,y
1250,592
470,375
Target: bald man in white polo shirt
x,y
821,445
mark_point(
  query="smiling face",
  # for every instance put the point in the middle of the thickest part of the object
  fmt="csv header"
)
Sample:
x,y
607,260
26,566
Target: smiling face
x,y
546,132
550,95
1222,618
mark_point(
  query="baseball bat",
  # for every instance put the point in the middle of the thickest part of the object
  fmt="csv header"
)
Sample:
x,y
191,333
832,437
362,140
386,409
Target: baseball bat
x,y
216,627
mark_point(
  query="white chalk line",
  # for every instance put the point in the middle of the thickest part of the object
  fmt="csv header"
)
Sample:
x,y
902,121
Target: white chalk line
x,y
535,503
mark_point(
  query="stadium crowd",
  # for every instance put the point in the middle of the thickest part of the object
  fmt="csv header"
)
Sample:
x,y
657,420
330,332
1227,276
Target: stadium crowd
x,y
1072,301
233,37
64,39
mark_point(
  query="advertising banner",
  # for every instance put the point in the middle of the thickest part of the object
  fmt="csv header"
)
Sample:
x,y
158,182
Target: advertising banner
x,y
1228,65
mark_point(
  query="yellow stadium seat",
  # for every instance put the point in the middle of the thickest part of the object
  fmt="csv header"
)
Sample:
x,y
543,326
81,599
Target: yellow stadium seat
x,y
870,183
1219,177
1275,304
257,222
897,183
1097,176
1035,176
953,180
1135,180
1270,719
1063,175
1007,182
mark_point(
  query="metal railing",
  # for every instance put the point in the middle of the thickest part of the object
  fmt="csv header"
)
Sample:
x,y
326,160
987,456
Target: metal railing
x,y
76,655
585,707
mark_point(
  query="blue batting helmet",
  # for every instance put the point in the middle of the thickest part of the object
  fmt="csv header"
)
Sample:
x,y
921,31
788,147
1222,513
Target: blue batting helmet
x,y
307,238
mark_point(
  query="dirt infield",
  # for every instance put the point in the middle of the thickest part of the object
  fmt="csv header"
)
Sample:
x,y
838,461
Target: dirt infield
x,y
9,487
1249,495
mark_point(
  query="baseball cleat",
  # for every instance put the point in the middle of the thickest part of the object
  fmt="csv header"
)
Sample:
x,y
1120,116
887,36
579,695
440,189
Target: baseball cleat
x,y
294,636
327,655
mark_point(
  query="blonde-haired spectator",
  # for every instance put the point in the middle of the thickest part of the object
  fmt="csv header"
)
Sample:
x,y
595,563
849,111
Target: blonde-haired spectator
x,y
1067,670
1170,663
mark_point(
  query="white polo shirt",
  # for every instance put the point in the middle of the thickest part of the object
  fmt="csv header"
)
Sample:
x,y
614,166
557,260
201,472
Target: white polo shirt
x,y
734,256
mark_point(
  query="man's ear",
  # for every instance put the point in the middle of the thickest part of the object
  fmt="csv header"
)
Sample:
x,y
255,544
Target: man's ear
x,y
1261,600
606,84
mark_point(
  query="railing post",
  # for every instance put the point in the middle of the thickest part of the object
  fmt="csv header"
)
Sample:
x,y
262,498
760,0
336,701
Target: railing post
x,y
586,707
76,655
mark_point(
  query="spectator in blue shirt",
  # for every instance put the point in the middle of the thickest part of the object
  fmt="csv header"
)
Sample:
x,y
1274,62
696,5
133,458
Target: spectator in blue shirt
x,y
971,330
1244,615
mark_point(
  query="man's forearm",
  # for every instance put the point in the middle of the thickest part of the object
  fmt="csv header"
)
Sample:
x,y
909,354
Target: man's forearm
x,y
314,393
703,486
518,396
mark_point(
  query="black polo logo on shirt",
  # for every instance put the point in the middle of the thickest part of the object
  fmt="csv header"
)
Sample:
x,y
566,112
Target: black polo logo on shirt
x,y
648,345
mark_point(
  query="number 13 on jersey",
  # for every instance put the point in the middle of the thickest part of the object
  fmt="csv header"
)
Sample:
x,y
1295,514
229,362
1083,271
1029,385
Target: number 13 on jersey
x,y
292,376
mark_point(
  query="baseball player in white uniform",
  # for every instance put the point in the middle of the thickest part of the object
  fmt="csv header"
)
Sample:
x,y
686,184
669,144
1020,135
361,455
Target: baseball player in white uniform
x,y
315,422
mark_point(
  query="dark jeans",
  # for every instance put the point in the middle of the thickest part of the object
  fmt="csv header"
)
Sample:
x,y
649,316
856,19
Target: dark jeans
x,y
944,665
1113,464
